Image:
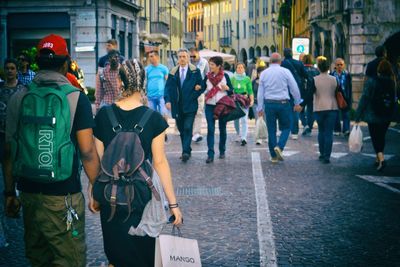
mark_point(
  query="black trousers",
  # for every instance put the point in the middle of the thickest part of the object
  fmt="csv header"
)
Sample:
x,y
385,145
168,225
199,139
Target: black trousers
x,y
377,132
184,122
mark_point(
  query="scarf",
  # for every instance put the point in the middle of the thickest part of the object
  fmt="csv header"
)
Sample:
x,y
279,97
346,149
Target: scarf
x,y
239,77
215,79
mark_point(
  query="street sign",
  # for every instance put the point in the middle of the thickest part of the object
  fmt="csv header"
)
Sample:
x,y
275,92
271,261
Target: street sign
x,y
300,45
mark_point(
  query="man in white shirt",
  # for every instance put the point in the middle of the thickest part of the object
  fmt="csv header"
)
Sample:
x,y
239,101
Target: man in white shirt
x,y
202,65
273,100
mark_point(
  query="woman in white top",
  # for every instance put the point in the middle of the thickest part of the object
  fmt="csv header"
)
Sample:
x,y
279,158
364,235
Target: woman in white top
x,y
325,108
218,85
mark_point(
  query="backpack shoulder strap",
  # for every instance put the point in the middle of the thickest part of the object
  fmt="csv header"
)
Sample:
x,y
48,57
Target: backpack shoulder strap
x,y
116,126
138,128
73,94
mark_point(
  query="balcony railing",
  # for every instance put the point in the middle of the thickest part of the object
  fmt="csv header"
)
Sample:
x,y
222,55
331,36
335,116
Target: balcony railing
x,y
159,27
225,41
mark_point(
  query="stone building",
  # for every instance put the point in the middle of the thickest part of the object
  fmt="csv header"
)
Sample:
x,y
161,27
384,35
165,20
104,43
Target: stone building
x,y
352,29
85,24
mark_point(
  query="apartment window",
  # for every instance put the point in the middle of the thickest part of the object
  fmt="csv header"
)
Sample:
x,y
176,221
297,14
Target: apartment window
x,y
244,29
273,6
121,36
130,39
265,28
265,7
251,31
237,29
257,29
257,8
251,9
113,26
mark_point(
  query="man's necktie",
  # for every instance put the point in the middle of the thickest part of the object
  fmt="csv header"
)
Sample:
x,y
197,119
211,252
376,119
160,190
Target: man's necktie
x,y
182,76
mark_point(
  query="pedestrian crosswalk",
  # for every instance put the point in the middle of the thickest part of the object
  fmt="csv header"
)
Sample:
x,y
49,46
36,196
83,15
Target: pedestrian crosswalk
x,y
389,183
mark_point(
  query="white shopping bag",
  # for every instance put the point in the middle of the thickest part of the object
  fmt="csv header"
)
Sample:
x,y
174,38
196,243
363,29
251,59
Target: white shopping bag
x,y
356,139
176,251
261,129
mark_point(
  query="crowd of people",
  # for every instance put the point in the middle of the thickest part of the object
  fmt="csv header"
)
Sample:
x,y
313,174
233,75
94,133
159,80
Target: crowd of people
x,y
281,92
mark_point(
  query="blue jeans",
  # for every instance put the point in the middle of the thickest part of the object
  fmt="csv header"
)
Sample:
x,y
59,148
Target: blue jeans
x,y
211,132
184,123
326,122
158,104
307,116
282,113
294,121
346,122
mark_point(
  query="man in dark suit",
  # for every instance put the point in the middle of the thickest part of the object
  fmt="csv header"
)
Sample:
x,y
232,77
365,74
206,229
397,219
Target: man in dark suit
x,y
184,86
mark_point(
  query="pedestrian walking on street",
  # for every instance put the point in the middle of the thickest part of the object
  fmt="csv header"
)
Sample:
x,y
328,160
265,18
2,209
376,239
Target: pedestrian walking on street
x,y
255,85
306,115
202,65
108,82
121,248
25,74
218,85
275,85
344,79
111,44
325,108
372,67
298,71
376,107
242,85
50,189
183,88
10,86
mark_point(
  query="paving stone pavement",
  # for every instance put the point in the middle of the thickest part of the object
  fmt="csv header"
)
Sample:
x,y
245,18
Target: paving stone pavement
x,y
322,215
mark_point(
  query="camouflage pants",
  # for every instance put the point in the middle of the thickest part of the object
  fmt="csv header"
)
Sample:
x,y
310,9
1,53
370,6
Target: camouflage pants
x,y
47,241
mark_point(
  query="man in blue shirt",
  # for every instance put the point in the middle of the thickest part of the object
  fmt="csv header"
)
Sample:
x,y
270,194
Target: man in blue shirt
x,y
156,76
273,92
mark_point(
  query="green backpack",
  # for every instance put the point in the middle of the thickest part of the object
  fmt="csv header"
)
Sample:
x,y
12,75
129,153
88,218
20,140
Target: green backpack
x,y
42,147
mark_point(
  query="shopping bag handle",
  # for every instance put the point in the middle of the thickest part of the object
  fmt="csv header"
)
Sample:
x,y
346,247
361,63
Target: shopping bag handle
x,y
178,230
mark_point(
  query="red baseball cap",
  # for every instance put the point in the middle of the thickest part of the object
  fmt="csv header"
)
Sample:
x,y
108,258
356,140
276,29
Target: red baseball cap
x,y
54,43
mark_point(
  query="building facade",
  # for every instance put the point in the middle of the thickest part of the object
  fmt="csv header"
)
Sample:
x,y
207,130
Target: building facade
x,y
85,24
352,29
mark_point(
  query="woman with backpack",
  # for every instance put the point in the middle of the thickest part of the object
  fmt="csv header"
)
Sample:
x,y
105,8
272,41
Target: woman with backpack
x,y
376,107
121,248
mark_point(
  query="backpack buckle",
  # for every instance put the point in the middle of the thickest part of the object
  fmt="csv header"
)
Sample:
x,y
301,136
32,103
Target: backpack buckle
x,y
138,128
117,128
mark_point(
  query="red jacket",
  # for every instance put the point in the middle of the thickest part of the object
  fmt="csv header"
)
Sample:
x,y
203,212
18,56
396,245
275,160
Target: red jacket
x,y
227,104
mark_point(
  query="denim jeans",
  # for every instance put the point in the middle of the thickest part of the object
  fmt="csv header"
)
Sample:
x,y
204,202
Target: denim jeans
x,y
184,123
211,132
307,116
346,122
326,122
243,128
158,104
294,121
282,113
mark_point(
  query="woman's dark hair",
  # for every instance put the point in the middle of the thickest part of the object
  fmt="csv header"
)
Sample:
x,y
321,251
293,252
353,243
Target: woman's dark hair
x,y
227,66
385,68
132,75
307,59
217,60
12,61
323,64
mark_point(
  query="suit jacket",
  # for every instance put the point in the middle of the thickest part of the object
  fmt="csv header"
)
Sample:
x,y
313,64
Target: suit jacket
x,y
183,98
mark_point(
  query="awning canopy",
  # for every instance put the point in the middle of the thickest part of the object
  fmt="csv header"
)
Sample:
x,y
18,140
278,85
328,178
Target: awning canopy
x,y
207,54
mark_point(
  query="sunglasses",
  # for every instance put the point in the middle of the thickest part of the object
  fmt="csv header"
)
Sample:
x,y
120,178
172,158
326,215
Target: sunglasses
x,y
192,56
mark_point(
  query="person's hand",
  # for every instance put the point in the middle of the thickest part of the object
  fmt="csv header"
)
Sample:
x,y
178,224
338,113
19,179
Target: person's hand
x,y
251,103
168,106
12,206
260,114
224,87
297,108
93,205
178,216
197,87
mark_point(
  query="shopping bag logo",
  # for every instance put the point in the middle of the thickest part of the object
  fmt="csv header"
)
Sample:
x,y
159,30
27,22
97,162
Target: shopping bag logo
x,y
174,251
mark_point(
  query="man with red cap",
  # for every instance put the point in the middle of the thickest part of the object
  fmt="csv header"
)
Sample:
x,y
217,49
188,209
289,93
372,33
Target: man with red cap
x,y
53,210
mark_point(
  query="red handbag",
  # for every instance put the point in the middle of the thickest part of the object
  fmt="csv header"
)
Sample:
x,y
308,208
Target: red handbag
x,y
341,101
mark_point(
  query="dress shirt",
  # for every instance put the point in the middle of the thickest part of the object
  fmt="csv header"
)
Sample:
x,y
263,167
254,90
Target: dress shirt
x,y
275,84
185,69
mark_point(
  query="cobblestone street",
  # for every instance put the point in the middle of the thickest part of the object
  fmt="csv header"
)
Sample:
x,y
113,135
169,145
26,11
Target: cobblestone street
x,y
246,211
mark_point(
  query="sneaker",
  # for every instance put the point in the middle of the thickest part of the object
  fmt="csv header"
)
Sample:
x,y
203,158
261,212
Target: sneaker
x,y
243,143
346,133
222,156
258,142
274,159
295,136
306,131
336,133
197,138
278,152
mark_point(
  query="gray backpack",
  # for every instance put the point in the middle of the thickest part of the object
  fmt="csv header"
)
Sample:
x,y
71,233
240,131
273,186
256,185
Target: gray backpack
x,y
125,178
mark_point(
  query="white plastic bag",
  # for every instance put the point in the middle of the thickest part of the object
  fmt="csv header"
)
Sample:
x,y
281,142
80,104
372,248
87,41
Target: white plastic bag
x,y
261,129
356,139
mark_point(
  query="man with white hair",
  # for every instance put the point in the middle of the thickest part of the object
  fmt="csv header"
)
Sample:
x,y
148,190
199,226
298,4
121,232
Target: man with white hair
x,y
274,100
